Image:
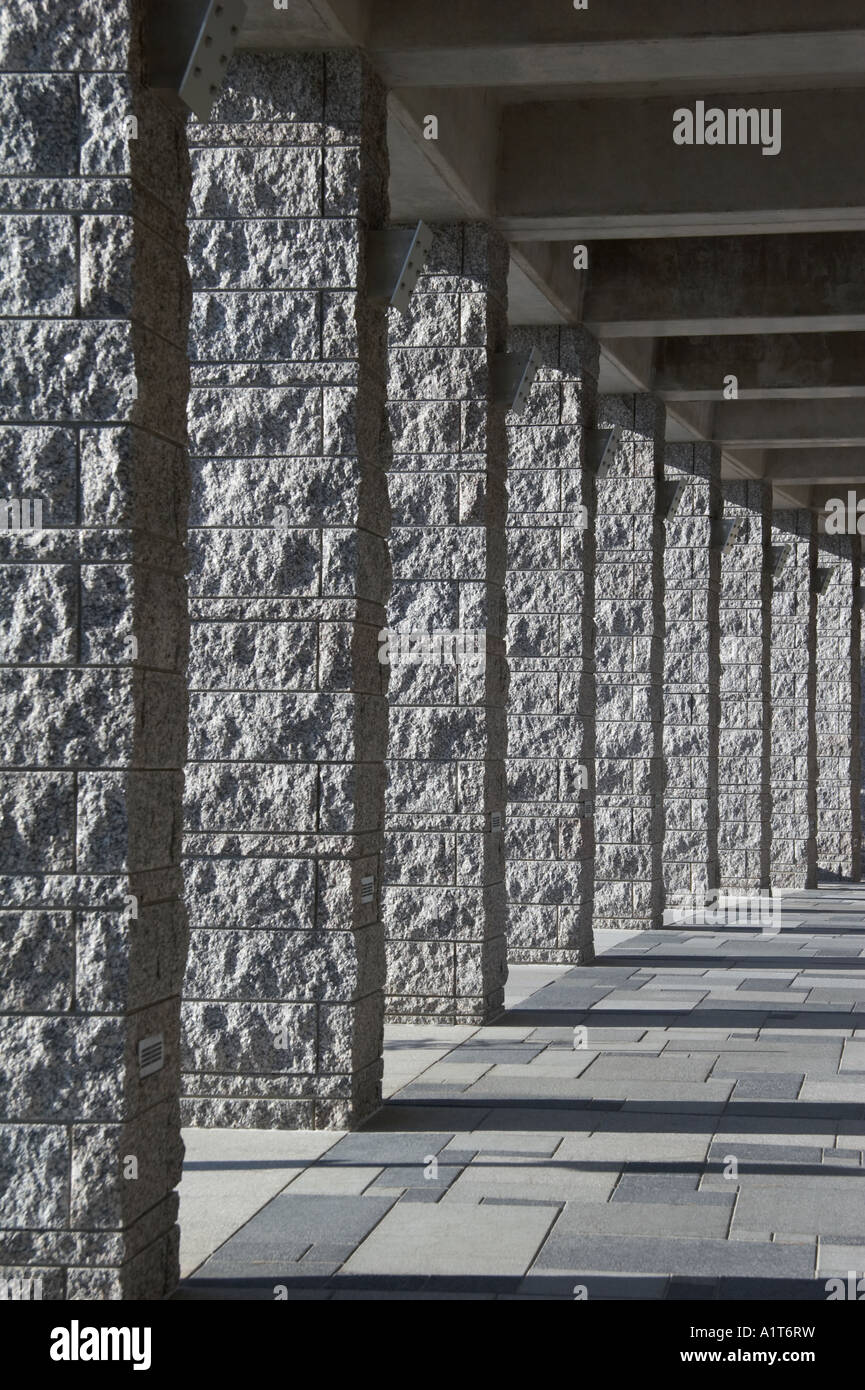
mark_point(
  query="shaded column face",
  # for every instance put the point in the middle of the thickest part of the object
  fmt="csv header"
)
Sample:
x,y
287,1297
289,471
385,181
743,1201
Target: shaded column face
x,y
549,840
444,907
94,651
793,770
691,498
289,572
743,764
838,826
629,602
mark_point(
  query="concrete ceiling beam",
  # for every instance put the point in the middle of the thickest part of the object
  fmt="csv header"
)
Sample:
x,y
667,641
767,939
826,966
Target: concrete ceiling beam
x,y
633,67
705,286
414,24
784,366
789,424
611,169
815,466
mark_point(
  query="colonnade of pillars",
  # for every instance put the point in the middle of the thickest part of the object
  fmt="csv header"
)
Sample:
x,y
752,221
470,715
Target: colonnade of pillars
x,y
637,709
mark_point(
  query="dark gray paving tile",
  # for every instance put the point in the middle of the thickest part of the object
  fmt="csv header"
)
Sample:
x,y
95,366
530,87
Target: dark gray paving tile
x,y
400,1116
561,1118
667,1188
772,1155
289,1222
495,1053
414,1175
692,1290
385,1149
735,1290
768,1086
597,1286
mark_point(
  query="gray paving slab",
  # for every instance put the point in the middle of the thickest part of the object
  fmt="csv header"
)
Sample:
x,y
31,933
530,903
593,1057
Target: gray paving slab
x,y
770,1154
848,1091
769,1086
560,1117
795,1060
384,1148
291,1224
453,1240
650,1255
487,1054
549,1064
506,1142
672,1189
711,1219
618,1089
454,1072
334,1180
678,1067
800,1208
438,1176
595,1287
841,1260
401,1117
646,1146
499,1176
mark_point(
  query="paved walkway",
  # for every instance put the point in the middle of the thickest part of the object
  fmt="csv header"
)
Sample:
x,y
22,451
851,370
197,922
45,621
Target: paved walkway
x,y
703,1139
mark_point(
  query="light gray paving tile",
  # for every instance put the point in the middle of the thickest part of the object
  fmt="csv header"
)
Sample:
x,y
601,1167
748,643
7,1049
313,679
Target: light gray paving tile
x,y
850,1091
643,1145
456,1072
799,1208
488,1054
674,1068
509,1177
550,1066
842,1260
506,1142
453,1240
645,1219
796,1061
649,1255
334,1179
